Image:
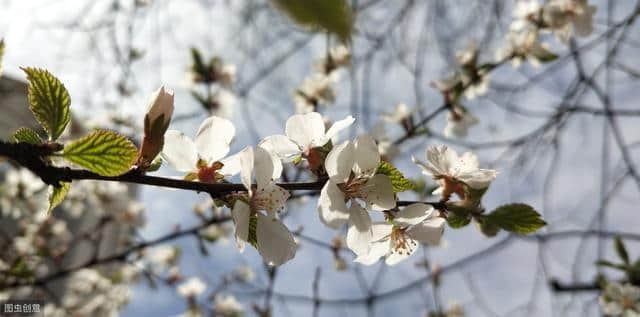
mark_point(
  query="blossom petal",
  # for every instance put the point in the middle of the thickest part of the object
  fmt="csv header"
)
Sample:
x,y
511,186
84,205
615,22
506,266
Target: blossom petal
x,y
367,157
339,162
282,146
305,129
359,235
275,241
240,215
180,151
334,129
429,231
266,167
478,179
213,138
440,160
412,214
246,167
377,250
378,193
231,165
272,197
332,208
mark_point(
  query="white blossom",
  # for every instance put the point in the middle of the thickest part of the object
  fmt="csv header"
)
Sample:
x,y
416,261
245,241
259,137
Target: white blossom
x,y
193,287
272,238
399,239
459,120
202,159
568,17
227,306
399,113
620,300
244,273
351,167
453,171
303,133
315,90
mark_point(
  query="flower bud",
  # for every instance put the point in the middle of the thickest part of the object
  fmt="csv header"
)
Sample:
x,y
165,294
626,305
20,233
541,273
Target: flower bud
x,y
160,108
156,122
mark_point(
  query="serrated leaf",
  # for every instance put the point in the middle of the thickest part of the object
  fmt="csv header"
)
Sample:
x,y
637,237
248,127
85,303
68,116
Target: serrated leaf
x,y
57,195
49,101
517,218
1,54
621,250
103,152
398,181
333,16
456,221
26,135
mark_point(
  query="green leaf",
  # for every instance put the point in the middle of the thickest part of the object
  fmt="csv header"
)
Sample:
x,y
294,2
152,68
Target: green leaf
x,y
621,249
398,181
26,135
545,56
458,221
606,263
57,195
49,101
1,54
517,218
333,16
103,152
155,165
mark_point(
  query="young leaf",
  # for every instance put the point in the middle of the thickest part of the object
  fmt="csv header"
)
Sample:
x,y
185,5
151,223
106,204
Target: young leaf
x,y
517,218
49,101
57,195
621,249
606,263
1,54
103,152
26,135
458,221
398,181
155,165
333,16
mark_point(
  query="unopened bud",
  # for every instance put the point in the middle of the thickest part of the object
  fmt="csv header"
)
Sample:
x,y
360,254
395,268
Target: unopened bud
x,y
156,122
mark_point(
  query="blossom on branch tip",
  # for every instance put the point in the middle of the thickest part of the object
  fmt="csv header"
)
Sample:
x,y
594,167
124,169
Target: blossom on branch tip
x,y
399,239
202,159
620,300
156,122
459,120
454,172
193,287
256,214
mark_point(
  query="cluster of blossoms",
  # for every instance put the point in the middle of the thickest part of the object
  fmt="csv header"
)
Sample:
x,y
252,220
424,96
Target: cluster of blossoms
x,y
353,186
563,18
316,90
205,76
620,300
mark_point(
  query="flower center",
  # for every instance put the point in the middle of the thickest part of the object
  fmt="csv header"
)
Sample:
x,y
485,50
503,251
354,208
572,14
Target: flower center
x,y
353,188
400,242
451,186
627,303
209,173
